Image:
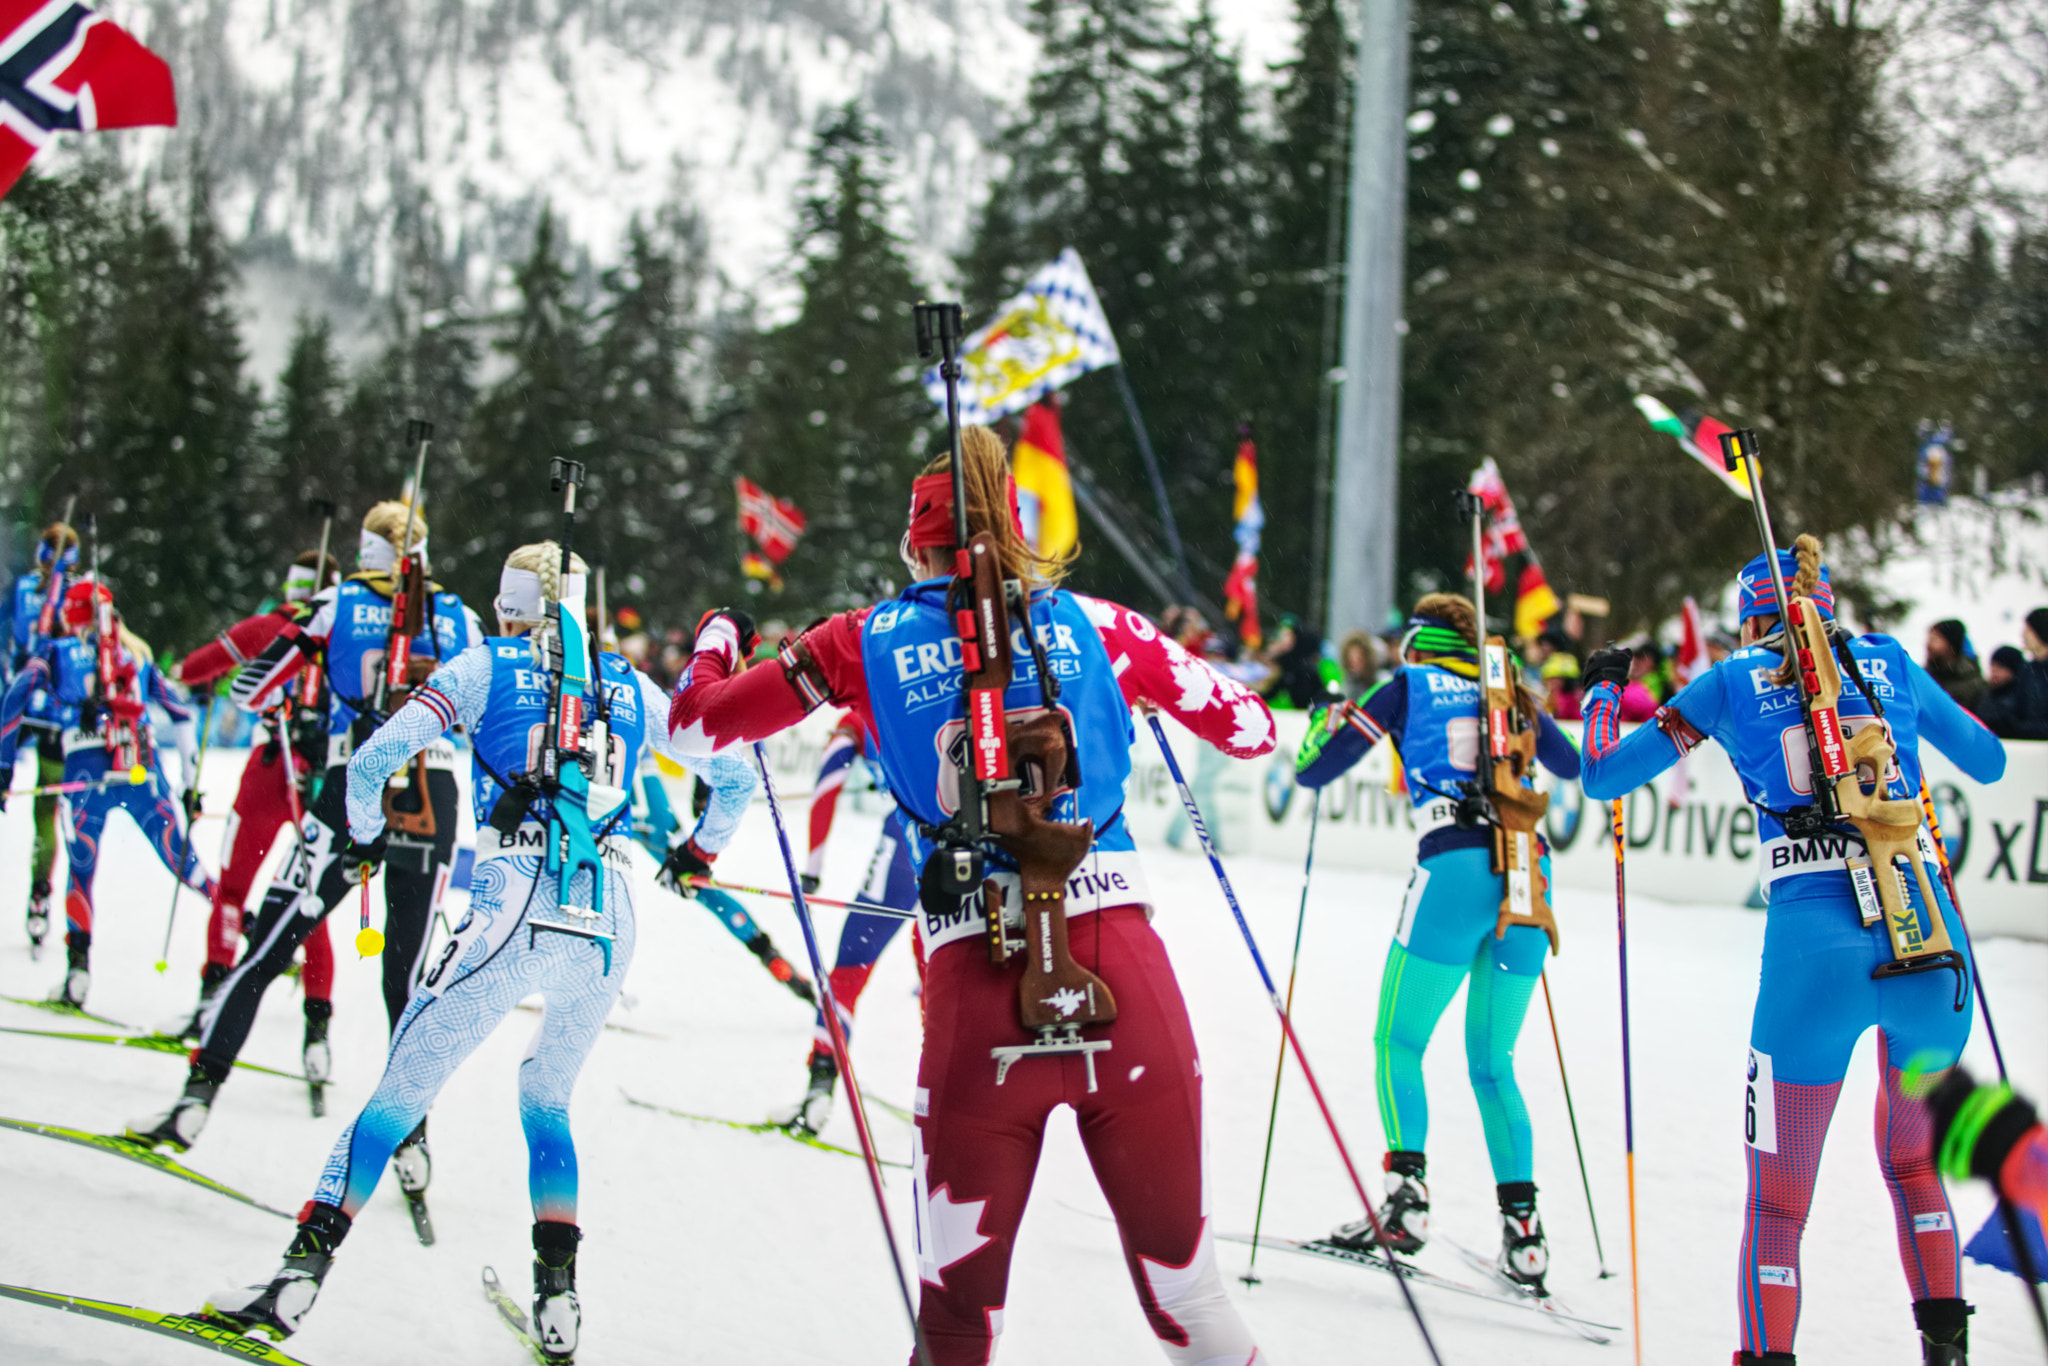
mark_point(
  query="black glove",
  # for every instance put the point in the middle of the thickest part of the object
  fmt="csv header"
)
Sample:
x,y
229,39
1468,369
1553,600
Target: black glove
x,y
742,625
359,860
1976,1127
191,802
685,860
1610,665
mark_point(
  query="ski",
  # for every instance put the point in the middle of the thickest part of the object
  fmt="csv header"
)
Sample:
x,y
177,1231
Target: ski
x,y
763,1127
135,1152
198,1330
63,1008
615,1028
154,1043
1415,1275
1549,1304
515,1319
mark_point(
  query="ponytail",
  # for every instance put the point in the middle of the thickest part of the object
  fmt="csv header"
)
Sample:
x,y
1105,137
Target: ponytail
x,y
990,499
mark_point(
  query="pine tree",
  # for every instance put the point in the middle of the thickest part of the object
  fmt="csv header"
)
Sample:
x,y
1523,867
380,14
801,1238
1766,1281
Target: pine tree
x,y
835,418
305,437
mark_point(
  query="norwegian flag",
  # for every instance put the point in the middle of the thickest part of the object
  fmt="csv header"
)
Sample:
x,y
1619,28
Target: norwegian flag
x,y
776,524
64,67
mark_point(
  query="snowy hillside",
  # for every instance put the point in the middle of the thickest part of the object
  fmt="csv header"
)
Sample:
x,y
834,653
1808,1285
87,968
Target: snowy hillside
x,y
707,1245
1983,562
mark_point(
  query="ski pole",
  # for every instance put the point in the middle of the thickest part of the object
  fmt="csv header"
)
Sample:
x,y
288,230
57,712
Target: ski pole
x,y
134,777
830,1006
1628,1097
1315,812
2015,1232
163,959
1187,800
1572,1114
865,906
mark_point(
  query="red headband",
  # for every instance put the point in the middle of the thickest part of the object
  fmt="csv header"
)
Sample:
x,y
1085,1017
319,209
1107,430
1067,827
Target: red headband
x,y
931,511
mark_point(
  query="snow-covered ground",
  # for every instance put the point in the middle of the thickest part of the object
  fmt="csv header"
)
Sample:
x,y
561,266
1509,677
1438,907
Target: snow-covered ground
x,y
705,1244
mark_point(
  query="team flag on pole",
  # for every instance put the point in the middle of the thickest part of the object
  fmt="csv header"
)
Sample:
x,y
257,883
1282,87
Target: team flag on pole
x,y
1241,589
1689,661
1535,601
1045,490
63,67
1048,336
1699,436
776,524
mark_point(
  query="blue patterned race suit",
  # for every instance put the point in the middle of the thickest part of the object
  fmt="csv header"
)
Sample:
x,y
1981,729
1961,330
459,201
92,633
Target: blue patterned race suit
x,y
496,958
1816,997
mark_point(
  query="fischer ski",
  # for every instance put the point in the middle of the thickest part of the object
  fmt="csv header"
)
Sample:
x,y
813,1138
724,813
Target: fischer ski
x,y
196,1329
135,1152
1549,1304
615,1028
64,1008
515,1319
1415,1275
764,1127
153,1043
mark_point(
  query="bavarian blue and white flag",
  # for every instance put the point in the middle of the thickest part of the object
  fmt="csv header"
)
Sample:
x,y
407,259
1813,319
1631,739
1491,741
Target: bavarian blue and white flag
x,y
1051,334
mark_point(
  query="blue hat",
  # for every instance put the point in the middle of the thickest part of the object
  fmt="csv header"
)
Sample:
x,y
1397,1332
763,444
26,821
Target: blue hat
x,y
1760,599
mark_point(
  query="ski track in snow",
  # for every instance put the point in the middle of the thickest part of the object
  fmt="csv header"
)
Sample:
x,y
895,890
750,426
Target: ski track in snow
x,y
707,1245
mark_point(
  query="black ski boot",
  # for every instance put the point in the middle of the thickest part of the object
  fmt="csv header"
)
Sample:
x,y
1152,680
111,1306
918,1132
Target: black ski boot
x,y
178,1127
781,969
1944,1331
319,1059
1765,1359
557,1314
278,1307
1404,1218
38,916
808,1115
1524,1255
413,1165
187,1026
77,970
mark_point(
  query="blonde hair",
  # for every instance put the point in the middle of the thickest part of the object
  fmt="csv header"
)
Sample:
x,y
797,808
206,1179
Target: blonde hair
x,y
544,558
388,518
59,537
1807,551
987,469
1455,609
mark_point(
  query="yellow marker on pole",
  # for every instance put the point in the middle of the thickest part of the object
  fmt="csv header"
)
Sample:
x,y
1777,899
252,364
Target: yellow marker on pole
x,y
138,775
369,942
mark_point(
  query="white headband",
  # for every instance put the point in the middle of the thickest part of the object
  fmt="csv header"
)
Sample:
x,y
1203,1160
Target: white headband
x,y
299,581
519,595
374,553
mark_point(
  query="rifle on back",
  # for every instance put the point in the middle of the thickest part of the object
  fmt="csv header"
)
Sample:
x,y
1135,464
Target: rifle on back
x,y
408,809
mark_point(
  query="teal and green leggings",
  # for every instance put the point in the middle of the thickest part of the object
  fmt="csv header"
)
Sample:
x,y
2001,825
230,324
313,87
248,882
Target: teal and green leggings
x,y
1446,932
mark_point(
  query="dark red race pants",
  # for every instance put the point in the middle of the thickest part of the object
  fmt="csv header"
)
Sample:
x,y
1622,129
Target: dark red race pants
x,y
263,806
977,1145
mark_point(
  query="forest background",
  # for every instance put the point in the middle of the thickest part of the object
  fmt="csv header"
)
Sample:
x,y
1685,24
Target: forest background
x,y
1791,214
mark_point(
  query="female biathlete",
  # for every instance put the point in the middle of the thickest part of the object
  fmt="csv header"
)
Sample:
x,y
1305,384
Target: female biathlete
x,y
37,595
1431,708
67,669
976,1142
516,940
276,789
350,629
1817,995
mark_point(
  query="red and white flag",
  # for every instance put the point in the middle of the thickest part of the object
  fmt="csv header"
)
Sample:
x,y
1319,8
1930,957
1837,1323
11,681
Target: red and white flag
x,y
776,524
1689,660
63,67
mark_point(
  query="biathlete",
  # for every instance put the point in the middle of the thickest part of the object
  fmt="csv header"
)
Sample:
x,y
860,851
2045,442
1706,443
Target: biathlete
x,y
349,629
656,828
108,730
1448,933
863,935
976,1142
1817,994
517,939
34,621
275,791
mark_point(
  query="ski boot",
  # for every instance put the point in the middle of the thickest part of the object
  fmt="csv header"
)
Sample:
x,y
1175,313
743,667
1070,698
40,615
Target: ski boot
x,y
1404,1218
412,1163
178,1128
1944,1331
780,968
38,916
1524,1255
808,1115
557,1314
77,971
278,1308
1765,1359
187,1026
318,1058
